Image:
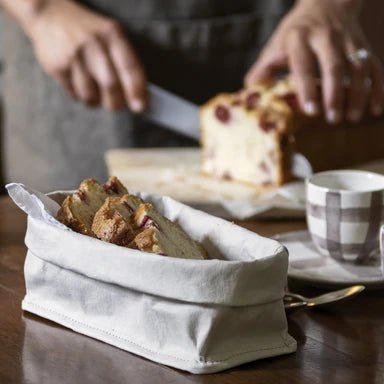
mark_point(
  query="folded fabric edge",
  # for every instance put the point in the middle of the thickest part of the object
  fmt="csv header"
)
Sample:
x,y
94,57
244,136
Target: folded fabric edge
x,y
36,228
280,248
153,197
201,366
200,300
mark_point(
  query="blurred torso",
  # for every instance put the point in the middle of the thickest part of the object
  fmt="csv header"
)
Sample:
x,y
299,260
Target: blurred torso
x,y
195,48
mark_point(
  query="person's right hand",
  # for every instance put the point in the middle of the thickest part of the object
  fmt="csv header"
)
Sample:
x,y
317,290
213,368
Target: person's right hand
x,y
325,35
89,55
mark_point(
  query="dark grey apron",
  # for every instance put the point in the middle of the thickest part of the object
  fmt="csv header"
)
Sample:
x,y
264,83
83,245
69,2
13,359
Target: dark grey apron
x,y
195,48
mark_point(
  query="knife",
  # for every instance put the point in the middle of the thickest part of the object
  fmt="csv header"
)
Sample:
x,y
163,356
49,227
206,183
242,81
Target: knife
x,y
182,116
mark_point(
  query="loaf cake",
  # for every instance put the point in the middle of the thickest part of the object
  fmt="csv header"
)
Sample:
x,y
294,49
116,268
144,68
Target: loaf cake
x,y
250,135
109,213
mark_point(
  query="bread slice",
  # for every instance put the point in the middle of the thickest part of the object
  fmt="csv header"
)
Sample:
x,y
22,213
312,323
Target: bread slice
x,y
112,222
115,187
109,213
149,240
132,202
78,210
162,236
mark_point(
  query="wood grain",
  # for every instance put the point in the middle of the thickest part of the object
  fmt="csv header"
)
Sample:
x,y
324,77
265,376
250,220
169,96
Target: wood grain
x,y
343,344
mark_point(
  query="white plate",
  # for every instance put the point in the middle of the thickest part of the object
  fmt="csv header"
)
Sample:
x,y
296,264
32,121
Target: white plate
x,y
308,265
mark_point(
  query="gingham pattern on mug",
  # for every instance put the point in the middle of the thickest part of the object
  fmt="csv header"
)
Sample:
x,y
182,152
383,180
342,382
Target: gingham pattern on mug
x,y
345,226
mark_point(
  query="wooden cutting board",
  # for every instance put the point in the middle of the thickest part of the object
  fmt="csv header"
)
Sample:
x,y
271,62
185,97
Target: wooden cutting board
x,y
174,172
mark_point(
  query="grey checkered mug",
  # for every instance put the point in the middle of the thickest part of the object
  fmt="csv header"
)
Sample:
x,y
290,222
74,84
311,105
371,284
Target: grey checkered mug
x,y
344,213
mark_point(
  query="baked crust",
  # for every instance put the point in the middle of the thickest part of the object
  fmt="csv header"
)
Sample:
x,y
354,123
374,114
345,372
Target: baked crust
x,y
147,241
115,187
165,237
109,213
112,222
78,210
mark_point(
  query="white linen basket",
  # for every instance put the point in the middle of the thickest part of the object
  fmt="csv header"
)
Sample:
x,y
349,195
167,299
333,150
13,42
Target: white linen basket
x,y
201,316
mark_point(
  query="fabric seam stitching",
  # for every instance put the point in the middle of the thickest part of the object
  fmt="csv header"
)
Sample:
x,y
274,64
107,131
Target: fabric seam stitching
x,y
115,335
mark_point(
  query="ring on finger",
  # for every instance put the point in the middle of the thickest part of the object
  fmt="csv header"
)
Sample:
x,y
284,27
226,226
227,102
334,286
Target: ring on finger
x,y
361,54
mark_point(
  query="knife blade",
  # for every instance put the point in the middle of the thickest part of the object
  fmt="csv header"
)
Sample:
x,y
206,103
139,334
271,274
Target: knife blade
x,y
173,112
182,116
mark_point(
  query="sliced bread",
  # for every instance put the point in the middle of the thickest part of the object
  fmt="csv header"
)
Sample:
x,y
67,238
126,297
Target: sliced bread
x,y
78,210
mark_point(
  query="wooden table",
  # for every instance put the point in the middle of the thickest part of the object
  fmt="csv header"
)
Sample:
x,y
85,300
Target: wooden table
x,y
344,344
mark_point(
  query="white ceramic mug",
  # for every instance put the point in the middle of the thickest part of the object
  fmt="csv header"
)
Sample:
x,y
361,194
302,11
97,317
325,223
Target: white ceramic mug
x,y
345,213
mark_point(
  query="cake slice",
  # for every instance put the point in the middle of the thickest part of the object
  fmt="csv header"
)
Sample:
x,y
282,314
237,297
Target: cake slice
x,y
115,187
132,202
78,210
162,236
153,240
109,213
112,222
150,240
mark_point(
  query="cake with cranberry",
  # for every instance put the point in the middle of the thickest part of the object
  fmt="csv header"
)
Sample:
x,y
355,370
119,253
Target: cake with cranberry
x,y
78,210
109,213
112,222
161,235
248,135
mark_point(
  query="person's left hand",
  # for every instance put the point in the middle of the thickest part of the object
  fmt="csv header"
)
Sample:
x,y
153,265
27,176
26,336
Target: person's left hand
x,y
325,34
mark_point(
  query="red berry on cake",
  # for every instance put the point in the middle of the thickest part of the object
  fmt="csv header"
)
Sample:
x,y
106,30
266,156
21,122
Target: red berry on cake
x,y
267,125
222,113
264,167
291,99
252,100
227,176
81,195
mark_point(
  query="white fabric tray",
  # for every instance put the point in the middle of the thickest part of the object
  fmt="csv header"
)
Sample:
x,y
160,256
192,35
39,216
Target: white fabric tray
x,y
197,315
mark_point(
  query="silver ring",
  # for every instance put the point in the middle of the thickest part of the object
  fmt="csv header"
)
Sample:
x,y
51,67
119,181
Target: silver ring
x,y
360,55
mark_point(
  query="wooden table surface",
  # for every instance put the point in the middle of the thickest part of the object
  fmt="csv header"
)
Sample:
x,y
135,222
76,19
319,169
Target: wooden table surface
x,y
343,344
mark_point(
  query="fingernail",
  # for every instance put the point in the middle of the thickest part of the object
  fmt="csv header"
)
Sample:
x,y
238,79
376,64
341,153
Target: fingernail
x,y
137,105
333,116
377,109
354,115
310,108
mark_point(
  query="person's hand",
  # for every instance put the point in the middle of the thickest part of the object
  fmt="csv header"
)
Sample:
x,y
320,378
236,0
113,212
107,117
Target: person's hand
x,y
89,55
325,35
